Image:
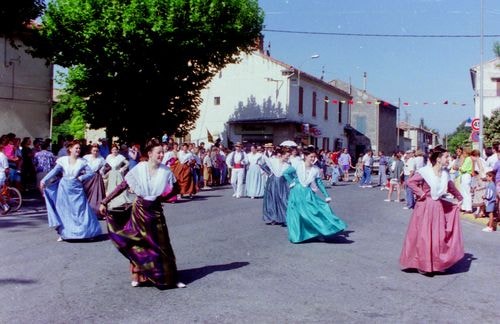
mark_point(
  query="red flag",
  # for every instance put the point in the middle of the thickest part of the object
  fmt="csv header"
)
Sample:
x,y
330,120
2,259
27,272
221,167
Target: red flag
x,y
406,104
446,102
335,101
369,102
385,103
351,102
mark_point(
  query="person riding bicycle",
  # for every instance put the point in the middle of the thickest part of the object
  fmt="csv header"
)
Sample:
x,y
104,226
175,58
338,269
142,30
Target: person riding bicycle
x,y
4,167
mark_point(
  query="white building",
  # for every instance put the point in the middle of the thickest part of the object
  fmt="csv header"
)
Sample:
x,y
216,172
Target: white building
x,y
491,82
25,93
261,100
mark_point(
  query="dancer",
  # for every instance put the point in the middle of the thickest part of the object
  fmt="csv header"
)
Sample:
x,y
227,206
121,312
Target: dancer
x,y
142,236
433,241
276,190
254,182
94,186
307,215
119,166
183,172
237,161
68,210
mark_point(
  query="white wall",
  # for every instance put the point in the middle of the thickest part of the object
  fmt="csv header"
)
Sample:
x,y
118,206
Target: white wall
x,y
491,97
25,93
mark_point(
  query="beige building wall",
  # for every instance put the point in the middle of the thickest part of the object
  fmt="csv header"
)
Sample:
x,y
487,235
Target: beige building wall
x,y
25,93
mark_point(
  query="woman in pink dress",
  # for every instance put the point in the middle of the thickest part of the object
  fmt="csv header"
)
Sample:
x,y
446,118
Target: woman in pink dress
x,y
433,241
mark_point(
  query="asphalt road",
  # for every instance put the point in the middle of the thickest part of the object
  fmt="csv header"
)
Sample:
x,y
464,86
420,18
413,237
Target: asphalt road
x,y
239,270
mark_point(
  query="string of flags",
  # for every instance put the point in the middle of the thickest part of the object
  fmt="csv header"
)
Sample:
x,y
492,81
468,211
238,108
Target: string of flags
x,y
387,103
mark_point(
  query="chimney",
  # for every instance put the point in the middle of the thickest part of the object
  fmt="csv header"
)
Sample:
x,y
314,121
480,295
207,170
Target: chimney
x,y
364,81
259,44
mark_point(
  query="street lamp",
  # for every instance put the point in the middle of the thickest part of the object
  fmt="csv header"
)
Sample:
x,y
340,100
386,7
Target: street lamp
x,y
312,57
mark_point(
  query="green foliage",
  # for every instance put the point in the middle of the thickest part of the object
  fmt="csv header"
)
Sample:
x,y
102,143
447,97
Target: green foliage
x,y
143,63
496,48
15,15
492,128
461,137
70,109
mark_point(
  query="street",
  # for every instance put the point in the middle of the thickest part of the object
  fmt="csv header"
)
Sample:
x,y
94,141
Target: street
x,y
238,270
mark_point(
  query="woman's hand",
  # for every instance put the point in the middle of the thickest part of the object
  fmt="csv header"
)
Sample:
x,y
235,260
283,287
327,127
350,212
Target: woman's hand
x,y
102,209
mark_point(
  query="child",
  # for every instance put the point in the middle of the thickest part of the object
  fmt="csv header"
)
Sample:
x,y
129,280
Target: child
x,y
478,188
358,173
335,174
489,202
396,173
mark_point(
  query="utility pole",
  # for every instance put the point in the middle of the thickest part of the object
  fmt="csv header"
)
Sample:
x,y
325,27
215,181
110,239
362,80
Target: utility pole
x,y
481,86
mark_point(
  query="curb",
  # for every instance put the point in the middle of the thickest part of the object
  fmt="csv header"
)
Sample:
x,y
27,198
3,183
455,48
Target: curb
x,y
470,217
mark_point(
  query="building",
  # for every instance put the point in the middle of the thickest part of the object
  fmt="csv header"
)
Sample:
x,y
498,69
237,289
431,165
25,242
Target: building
x,y
260,100
25,92
419,137
491,83
373,122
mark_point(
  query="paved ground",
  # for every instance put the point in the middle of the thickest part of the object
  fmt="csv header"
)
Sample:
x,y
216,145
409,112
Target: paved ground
x,y
239,270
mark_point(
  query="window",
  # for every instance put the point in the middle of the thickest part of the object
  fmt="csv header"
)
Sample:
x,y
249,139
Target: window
x,y
301,100
326,108
314,104
216,101
340,112
498,87
326,144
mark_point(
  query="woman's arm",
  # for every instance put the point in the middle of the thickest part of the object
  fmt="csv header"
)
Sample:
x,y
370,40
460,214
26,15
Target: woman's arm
x,y
322,188
289,175
118,190
415,184
52,173
454,191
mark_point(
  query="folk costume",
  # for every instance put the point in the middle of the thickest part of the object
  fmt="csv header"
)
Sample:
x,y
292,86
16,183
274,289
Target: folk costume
x,y
254,182
276,192
142,234
94,186
119,165
307,215
433,241
68,209
237,162
184,174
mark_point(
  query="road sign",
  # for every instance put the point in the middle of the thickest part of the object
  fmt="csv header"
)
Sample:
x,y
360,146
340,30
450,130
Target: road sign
x,y
474,136
475,124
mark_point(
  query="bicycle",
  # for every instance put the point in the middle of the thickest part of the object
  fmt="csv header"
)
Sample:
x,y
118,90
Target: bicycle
x,y
12,197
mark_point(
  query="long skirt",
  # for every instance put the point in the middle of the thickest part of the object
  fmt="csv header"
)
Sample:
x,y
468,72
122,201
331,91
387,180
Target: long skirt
x,y
433,240
185,179
308,216
254,181
275,200
95,191
141,235
69,211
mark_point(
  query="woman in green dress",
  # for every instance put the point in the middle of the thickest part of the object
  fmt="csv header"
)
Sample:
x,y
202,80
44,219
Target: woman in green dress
x,y
308,216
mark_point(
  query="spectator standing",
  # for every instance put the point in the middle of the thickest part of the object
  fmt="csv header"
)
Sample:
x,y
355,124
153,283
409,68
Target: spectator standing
x,y
408,171
382,170
367,160
43,162
345,163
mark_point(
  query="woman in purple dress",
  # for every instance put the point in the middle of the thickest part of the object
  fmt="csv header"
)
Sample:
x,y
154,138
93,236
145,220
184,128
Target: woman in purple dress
x,y
433,241
142,235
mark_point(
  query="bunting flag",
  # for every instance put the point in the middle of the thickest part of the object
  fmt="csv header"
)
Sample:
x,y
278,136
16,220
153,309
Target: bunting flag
x,y
393,103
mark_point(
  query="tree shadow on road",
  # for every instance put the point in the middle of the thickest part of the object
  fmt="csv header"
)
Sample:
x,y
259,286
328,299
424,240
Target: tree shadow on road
x,y
16,281
190,275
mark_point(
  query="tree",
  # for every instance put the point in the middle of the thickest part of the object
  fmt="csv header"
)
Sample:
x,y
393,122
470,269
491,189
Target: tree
x,y
16,15
492,128
459,138
69,111
143,63
496,48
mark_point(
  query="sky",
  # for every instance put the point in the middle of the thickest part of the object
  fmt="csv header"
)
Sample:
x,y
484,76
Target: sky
x,y
414,70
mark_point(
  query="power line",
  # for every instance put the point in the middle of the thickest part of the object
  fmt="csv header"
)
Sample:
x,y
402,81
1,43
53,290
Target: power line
x,y
377,35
